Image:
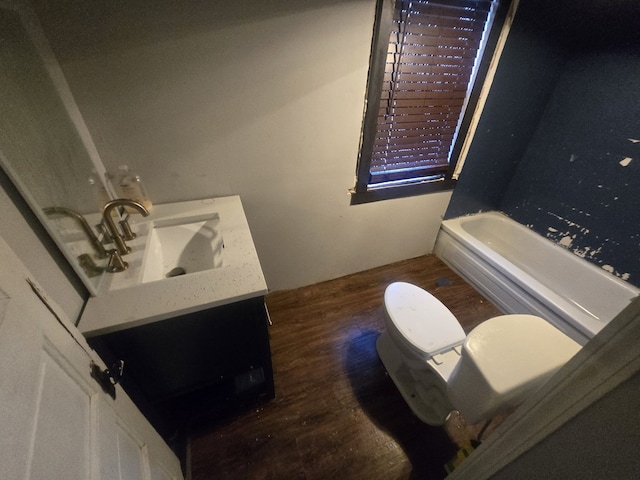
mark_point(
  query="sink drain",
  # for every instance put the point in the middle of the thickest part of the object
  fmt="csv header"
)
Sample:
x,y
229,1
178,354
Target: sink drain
x,y
175,272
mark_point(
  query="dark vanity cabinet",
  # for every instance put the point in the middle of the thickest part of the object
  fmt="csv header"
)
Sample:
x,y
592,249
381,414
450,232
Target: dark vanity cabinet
x,y
198,364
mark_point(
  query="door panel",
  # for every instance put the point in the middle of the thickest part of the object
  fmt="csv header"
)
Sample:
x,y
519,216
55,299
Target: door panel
x,y
130,456
56,421
62,418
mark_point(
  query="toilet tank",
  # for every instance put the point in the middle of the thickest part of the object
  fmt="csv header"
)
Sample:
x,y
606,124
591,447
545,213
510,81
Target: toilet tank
x,y
503,360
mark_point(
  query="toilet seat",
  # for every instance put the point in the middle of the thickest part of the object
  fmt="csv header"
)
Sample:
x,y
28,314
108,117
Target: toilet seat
x,y
423,322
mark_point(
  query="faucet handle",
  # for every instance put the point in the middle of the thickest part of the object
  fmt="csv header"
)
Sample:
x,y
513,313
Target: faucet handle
x,y
127,233
103,233
116,263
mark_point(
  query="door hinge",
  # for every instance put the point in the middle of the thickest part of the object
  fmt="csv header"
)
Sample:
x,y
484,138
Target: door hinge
x,y
108,379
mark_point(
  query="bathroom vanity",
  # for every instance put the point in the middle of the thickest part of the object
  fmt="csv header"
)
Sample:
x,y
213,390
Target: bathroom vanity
x,y
186,313
192,344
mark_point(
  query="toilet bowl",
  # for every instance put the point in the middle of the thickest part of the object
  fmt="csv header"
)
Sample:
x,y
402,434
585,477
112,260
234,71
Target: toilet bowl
x,y
437,368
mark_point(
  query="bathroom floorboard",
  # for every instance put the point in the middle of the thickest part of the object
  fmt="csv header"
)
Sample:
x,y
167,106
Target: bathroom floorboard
x,y
336,413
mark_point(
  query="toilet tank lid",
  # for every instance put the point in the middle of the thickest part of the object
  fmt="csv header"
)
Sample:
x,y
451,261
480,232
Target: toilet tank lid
x,y
422,319
511,350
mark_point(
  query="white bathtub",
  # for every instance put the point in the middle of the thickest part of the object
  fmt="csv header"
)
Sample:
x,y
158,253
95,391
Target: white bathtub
x,y
523,272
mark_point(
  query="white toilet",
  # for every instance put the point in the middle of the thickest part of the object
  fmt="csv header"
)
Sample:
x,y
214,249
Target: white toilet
x,y
438,369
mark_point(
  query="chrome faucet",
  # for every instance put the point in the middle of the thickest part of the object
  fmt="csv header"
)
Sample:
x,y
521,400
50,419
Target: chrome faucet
x,y
116,264
95,243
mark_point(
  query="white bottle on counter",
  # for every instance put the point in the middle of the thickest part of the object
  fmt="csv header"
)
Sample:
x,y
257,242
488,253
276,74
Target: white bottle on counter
x,y
129,185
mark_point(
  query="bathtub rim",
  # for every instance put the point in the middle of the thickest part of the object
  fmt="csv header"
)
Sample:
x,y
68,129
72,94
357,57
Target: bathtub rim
x,y
452,224
510,287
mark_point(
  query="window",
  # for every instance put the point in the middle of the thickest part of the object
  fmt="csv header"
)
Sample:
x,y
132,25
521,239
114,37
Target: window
x,y
425,62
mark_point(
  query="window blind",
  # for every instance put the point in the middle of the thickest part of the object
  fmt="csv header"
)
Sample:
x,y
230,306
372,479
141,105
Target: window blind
x,y
433,48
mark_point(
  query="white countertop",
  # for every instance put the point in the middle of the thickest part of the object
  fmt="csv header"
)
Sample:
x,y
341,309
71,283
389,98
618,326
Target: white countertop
x,y
124,303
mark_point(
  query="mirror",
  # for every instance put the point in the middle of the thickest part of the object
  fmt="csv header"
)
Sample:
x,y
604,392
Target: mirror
x,y
45,147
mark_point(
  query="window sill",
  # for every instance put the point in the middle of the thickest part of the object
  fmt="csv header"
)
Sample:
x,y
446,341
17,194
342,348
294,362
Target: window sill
x,y
403,191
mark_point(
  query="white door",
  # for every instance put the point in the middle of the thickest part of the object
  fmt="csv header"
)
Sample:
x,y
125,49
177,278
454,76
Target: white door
x,y
55,420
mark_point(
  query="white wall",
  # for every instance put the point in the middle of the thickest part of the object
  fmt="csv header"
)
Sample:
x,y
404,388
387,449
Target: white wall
x,y
258,98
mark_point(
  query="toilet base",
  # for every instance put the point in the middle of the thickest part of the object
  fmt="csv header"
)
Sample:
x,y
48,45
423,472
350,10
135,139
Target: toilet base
x,y
423,395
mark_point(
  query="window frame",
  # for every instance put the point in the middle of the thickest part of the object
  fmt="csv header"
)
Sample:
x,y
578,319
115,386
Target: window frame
x,y
383,24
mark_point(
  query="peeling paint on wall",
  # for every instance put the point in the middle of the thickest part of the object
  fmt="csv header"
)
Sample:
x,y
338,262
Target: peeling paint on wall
x,y
613,271
577,199
575,237
569,223
587,252
576,179
566,237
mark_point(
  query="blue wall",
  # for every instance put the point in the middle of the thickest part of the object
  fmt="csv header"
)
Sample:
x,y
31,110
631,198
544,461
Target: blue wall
x,y
562,115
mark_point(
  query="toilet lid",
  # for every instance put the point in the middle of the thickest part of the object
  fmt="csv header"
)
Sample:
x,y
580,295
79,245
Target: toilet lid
x,y
422,319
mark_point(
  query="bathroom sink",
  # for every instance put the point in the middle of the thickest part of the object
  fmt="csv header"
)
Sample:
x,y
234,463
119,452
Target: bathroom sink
x,y
181,246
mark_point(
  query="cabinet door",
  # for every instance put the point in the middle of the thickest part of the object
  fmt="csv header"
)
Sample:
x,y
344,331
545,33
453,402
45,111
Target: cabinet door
x,y
55,419
174,357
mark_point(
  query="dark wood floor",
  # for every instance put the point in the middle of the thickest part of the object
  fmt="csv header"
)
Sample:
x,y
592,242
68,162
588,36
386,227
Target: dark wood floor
x,y
336,413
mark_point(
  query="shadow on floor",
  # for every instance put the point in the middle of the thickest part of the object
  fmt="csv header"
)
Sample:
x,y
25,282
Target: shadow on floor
x,y
427,448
